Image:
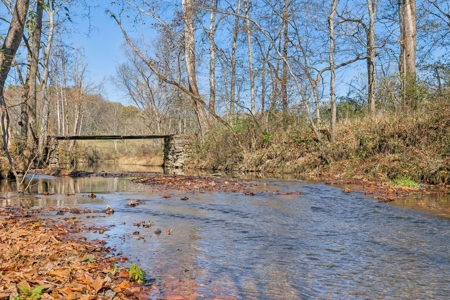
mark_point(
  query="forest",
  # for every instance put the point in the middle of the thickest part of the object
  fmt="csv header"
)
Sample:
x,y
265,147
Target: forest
x,y
317,135
348,89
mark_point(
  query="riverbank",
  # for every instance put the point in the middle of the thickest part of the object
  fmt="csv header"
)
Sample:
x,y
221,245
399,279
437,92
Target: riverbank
x,y
216,239
188,228
381,191
392,147
47,257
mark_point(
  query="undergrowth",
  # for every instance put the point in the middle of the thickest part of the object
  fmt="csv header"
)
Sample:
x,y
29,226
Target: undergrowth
x,y
389,146
405,182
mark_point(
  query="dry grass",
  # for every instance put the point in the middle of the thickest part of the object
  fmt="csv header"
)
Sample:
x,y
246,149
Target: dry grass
x,y
391,146
136,152
142,161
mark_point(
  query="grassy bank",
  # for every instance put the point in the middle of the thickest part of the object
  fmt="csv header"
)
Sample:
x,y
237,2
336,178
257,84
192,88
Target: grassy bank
x,y
393,146
127,152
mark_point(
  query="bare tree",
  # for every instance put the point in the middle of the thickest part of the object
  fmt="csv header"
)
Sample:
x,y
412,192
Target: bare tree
x,y
233,59
43,82
189,47
371,56
212,58
7,54
250,55
284,77
368,42
332,71
187,40
408,46
28,140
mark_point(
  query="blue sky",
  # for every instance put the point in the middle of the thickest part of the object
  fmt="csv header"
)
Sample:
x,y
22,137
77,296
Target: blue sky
x,y
103,49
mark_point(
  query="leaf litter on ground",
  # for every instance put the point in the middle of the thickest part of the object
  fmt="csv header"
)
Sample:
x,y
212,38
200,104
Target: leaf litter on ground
x,y
41,259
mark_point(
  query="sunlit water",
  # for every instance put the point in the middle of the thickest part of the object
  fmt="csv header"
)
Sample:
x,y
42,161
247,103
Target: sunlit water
x,y
322,244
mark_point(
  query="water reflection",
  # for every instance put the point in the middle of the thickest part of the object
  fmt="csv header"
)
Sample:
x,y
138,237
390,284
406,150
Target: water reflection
x,y
436,204
111,166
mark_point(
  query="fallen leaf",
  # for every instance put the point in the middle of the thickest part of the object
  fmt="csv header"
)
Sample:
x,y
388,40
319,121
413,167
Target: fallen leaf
x,y
4,296
98,283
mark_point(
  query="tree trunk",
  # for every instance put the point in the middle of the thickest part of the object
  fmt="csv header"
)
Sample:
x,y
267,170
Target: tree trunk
x,y
189,44
7,54
284,79
409,51
332,71
371,55
28,141
46,107
212,60
263,89
233,61
250,56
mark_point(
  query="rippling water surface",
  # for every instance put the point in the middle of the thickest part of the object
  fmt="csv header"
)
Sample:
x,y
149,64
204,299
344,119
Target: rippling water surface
x,y
322,244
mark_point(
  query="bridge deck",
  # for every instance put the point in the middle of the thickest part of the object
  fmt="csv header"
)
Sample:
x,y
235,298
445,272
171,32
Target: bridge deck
x,y
112,137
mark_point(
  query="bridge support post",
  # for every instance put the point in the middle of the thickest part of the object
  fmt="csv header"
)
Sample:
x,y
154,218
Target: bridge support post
x,y
52,153
177,149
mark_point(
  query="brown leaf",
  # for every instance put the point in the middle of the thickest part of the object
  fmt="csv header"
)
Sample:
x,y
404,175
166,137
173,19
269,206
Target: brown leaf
x,y
123,273
4,296
68,293
61,273
98,283
121,287
88,297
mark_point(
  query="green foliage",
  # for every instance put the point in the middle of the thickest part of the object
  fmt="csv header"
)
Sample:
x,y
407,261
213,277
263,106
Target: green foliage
x,y
30,294
114,270
88,260
136,273
405,182
31,21
350,107
267,138
417,92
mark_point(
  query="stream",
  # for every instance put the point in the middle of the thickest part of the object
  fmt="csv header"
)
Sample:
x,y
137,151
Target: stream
x,y
321,244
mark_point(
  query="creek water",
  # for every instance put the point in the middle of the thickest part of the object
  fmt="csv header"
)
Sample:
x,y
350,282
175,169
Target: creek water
x,y
321,244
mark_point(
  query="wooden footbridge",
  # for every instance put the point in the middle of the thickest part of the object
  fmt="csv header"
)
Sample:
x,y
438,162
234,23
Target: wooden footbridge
x,y
177,147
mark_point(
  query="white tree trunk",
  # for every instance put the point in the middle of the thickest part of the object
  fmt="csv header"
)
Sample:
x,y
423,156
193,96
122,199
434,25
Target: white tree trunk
x,y
46,107
409,49
250,55
233,62
189,45
212,59
371,55
332,71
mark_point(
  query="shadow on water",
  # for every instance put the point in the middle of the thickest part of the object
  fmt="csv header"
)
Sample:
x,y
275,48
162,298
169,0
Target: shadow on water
x,y
321,244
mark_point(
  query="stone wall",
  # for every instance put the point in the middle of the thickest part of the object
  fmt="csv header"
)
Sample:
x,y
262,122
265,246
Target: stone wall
x,y
52,156
177,149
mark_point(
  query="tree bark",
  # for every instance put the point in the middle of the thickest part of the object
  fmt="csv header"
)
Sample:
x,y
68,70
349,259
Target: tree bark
x,y
408,45
332,71
28,141
284,78
7,54
212,60
46,107
371,55
233,61
189,44
250,56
